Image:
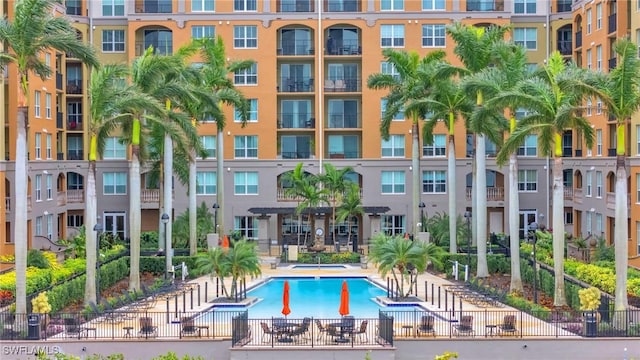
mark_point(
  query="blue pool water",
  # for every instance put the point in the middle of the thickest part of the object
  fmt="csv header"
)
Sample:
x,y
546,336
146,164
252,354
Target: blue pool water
x,y
324,267
316,297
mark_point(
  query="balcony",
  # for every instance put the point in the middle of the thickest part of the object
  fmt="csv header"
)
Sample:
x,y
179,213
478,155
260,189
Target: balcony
x,y
60,156
578,39
62,198
343,85
281,195
296,48
475,5
75,155
568,193
611,152
303,84
577,195
343,6
153,7
344,155
493,193
296,121
613,62
344,120
59,120
74,86
295,6
296,154
344,47
613,23
564,47
160,47
7,203
75,196
74,123
567,152
150,195
578,153
58,81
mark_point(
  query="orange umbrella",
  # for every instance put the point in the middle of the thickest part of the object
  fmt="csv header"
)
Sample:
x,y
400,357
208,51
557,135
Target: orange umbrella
x,y
344,299
225,242
285,299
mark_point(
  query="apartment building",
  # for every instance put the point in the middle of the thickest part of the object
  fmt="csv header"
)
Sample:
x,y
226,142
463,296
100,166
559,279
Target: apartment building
x,y
310,104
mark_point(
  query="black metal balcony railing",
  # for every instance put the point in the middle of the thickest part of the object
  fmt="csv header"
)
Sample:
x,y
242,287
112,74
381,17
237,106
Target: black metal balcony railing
x,y
578,39
344,47
74,10
296,121
343,85
60,156
613,62
567,152
59,120
296,6
295,154
611,152
154,7
344,121
159,47
564,47
300,84
296,47
344,155
578,153
613,23
75,154
343,6
485,5
74,86
58,81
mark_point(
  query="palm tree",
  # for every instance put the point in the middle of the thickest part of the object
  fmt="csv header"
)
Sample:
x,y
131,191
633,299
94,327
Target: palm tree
x,y
216,72
474,48
509,71
112,102
213,263
242,260
622,99
311,196
34,30
336,183
554,98
351,206
296,179
396,255
405,89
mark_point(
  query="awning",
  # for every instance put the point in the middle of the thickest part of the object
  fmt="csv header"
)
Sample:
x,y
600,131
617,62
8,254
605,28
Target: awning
x,y
372,210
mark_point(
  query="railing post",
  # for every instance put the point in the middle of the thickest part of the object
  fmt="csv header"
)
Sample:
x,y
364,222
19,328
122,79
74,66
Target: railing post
x,y
438,297
206,291
426,294
191,295
175,305
446,300
198,295
168,311
184,302
432,292
453,304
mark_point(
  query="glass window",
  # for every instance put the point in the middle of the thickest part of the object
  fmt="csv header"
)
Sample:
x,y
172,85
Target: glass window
x,y
114,149
202,5
245,37
113,41
47,105
244,5
245,183
589,16
38,230
50,226
389,69
529,146
391,5
246,76
112,7
599,184
49,186
599,142
114,183
432,4
48,146
589,183
295,147
527,180
589,58
433,36
527,37
344,146
253,112
206,183
38,145
394,224
246,146
247,226
392,36
399,116
394,147
434,182
38,187
209,145
203,32
392,182
437,148
524,6
599,16
599,57
36,103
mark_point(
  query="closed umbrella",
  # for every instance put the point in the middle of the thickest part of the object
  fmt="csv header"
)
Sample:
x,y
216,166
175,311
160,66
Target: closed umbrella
x,y
344,299
225,242
285,299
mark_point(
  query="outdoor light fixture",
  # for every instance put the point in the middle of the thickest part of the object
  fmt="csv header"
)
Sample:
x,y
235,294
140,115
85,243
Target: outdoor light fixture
x,y
215,217
422,219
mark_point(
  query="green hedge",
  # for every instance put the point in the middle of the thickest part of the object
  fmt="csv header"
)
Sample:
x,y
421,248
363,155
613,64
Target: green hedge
x,y
497,263
329,258
155,264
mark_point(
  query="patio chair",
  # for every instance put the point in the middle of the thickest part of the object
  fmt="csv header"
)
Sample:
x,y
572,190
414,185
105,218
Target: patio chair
x,y
188,327
362,332
508,325
329,85
267,332
465,327
302,330
72,328
147,329
322,330
426,326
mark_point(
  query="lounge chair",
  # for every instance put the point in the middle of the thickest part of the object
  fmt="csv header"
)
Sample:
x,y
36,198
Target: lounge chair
x,y
322,330
188,327
426,326
72,328
465,327
267,332
362,331
147,329
508,325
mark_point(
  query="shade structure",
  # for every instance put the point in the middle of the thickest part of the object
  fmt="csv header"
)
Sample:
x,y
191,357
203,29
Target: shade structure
x,y
285,299
344,299
225,242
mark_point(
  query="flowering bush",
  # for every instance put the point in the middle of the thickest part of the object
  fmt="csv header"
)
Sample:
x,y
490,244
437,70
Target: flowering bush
x,y
40,304
589,299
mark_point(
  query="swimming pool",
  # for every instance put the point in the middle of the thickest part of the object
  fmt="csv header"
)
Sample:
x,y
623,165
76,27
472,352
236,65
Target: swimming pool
x,y
323,267
317,297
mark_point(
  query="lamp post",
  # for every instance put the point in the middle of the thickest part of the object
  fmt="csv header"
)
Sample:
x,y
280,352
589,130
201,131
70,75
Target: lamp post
x,y
422,220
532,233
98,229
215,217
165,220
467,216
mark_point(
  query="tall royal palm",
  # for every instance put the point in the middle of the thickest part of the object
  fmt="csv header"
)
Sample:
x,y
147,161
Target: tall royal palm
x,y
112,102
474,48
336,183
404,89
553,97
33,31
351,206
622,99
216,71
509,71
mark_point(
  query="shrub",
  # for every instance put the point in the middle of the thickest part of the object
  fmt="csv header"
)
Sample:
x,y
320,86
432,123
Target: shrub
x,y
40,304
37,259
589,299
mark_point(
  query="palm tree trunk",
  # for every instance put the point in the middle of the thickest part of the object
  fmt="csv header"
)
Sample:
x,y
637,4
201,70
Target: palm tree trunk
x,y
91,241
160,208
168,197
453,217
621,231
193,216
135,215
514,236
415,166
481,213
20,230
220,182
559,298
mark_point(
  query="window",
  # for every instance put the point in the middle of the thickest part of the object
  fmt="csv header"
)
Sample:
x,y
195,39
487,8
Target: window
x,y
244,5
38,145
527,37
599,57
599,107
50,226
75,220
389,69
38,187
38,230
589,59
206,183
638,189
47,105
399,116
295,147
112,40
245,37
599,16
599,184
392,36
637,139
344,146
112,7
203,32
599,227
114,183
589,16
48,146
114,149
394,147
432,4
433,36
589,107
599,142
391,5
47,59
529,146
247,76
589,222
202,5
524,6
438,148
247,226
49,186
434,182
36,104
589,183
393,224
392,182
568,217
245,183
527,180
209,145
253,112
245,146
